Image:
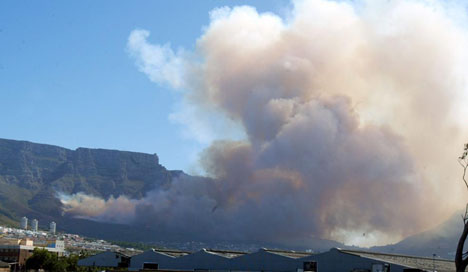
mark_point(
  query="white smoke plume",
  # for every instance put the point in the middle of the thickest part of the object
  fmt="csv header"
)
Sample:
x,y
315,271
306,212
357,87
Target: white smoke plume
x,y
353,116
85,206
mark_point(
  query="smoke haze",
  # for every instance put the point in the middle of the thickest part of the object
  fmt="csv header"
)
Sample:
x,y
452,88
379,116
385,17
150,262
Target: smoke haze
x,y
351,116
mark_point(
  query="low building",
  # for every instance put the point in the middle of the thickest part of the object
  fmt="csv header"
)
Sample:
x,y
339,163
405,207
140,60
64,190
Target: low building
x,y
18,250
107,259
269,260
363,261
155,259
54,243
4,267
206,259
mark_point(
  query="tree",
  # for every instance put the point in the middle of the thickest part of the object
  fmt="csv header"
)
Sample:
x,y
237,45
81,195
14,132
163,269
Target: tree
x,y
43,259
48,261
461,256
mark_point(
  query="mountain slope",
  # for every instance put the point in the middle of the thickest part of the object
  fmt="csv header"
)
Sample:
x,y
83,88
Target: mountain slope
x,y
32,174
441,240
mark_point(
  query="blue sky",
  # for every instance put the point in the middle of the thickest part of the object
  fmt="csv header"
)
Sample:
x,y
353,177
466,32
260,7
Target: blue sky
x,y
66,77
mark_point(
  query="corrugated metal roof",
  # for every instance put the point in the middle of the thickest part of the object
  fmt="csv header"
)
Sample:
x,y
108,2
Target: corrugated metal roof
x,y
122,254
233,253
171,252
290,253
226,253
424,263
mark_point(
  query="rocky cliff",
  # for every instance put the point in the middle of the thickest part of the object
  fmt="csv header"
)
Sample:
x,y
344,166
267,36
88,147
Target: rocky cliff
x,y
32,174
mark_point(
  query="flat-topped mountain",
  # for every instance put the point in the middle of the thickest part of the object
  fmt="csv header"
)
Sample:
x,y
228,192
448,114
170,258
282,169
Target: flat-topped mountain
x,y
32,174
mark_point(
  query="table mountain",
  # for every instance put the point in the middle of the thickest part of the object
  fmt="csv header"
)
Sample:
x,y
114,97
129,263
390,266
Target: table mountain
x,y
31,174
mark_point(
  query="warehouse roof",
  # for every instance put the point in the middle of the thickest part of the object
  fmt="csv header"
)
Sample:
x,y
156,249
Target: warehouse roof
x,y
424,263
226,253
104,259
289,253
171,252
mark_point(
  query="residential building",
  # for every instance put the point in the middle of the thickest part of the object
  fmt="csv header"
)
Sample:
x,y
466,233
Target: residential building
x,y
24,222
34,225
52,227
18,250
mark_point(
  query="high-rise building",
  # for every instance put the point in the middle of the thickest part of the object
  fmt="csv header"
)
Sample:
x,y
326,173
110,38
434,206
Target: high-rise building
x,y
52,227
24,222
34,224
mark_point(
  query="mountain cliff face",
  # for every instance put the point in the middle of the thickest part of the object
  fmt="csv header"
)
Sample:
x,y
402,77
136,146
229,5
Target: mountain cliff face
x,y
31,175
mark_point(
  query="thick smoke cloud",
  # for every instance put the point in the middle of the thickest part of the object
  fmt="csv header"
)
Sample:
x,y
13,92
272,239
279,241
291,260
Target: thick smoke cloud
x,y
90,207
352,115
